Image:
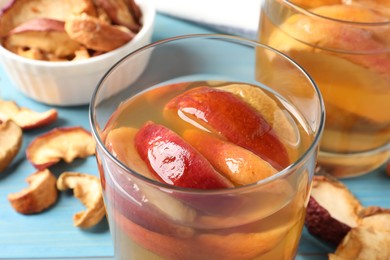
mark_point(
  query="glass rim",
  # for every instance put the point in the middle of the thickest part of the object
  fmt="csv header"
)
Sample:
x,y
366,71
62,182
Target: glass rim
x,y
306,12
234,39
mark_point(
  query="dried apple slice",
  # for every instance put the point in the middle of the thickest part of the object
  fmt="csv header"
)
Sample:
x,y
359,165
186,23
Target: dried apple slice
x,y
20,11
11,137
332,211
87,189
134,9
370,239
33,53
174,161
44,34
375,217
362,244
96,34
223,113
120,13
65,143
25,117
81,54
40,195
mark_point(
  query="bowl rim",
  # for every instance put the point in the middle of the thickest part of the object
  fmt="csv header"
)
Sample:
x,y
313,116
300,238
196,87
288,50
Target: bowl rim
x,y
148,16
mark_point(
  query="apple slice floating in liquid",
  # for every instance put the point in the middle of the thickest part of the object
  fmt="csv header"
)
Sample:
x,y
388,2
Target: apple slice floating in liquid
x,y
223,113
174,161
238,164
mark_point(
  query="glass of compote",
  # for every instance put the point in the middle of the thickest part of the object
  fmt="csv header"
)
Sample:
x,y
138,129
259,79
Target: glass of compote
x,y
206,149
345,47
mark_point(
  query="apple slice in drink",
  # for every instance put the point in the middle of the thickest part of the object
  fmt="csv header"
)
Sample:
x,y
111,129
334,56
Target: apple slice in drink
x,y
174,161
240,165
207,246
229,116
275,115
148,206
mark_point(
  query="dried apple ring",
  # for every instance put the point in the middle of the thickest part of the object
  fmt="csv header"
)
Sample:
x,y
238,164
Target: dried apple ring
x,y
66,143
25,117
11,140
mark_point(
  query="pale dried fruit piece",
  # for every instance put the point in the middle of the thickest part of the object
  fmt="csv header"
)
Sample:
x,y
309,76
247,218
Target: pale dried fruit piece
x,y
332,210
20,11
66,143
81,54
11,137
96,34
87,189
46,35
33,53
370,239
120,13
362,244
375,217
25,117
134,9
40,195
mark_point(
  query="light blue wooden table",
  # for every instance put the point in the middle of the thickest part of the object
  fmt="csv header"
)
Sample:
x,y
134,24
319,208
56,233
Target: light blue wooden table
x,y
51,234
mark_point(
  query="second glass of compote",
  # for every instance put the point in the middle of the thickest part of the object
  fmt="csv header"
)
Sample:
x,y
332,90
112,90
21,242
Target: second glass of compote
x,y
345,47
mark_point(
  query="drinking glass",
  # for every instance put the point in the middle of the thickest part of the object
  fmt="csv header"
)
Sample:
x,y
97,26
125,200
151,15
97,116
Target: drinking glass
x,y
149,219
345,48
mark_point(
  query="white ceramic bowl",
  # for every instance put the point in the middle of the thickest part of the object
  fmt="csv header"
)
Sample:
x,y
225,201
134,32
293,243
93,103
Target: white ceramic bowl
x,y
73,82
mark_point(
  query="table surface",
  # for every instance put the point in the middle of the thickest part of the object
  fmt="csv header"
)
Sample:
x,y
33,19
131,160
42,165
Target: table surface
x,y
51,234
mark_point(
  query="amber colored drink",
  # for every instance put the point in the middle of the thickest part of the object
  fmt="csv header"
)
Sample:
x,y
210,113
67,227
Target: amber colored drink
x,y
233,232
199,158
346,49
